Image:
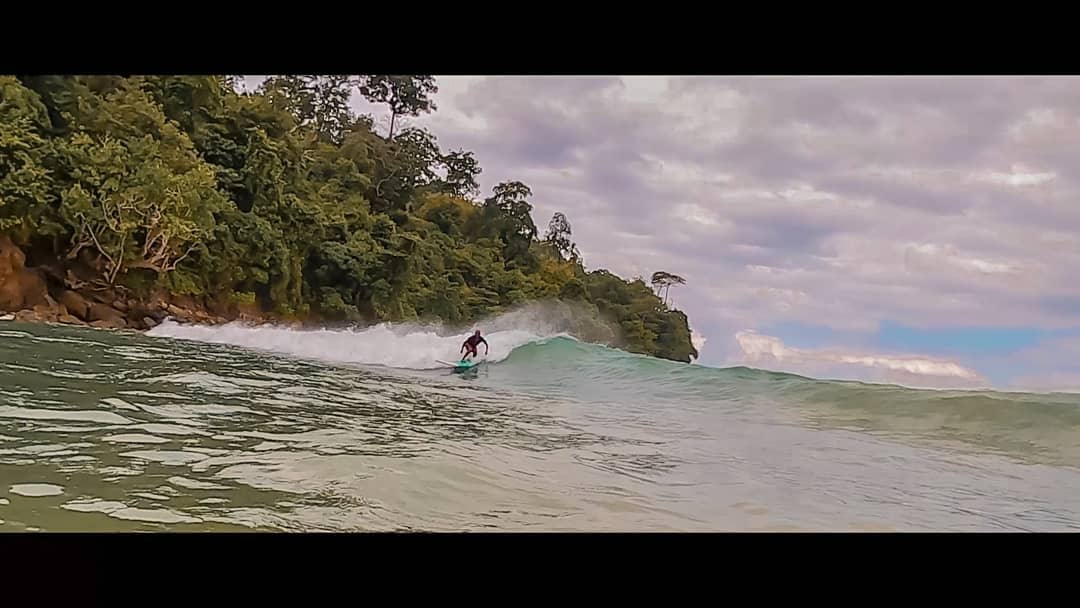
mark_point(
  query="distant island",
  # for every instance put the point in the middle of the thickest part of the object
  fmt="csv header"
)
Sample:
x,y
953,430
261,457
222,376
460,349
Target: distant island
x,y
126,200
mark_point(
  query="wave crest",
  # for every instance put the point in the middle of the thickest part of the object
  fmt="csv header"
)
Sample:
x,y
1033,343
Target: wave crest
x,y
387,345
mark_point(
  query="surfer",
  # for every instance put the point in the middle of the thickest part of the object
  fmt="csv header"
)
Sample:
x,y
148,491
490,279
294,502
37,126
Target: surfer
x,y
469,347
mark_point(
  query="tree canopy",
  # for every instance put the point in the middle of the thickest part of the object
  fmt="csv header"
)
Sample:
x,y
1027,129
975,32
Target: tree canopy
x,y
285,198
662,281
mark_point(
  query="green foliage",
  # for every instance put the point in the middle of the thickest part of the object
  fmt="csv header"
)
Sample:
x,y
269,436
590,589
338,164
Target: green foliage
x,y
319,103
27,202
662,282
136,190
461,172
244,298
558,237
284,200
404,95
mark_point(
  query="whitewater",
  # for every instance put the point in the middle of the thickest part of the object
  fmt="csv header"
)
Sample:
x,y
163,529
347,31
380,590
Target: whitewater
x,y
269,428
405,347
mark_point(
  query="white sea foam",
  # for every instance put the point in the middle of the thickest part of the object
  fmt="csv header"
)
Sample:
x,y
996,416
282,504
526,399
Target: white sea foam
x,y
406,346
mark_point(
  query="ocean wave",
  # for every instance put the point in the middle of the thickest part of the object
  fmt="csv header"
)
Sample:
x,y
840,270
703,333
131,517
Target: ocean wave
x,y
403,346
544,361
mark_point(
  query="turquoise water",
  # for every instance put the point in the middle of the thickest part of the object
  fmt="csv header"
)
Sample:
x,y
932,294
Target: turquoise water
x,y
234,428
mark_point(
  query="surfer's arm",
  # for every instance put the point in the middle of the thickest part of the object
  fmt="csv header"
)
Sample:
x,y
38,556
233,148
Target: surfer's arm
x,y
485,346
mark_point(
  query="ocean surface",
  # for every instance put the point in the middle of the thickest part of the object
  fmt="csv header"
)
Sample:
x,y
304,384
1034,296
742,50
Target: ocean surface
x,y
262,429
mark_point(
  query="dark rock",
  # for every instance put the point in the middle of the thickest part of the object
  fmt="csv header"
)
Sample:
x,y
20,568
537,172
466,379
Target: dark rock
x,y
178,313
149,322
53,272
19,288
185,302
138,323
110,324
29,316
76,304
70,320
120,305
48,314
102,312
100,298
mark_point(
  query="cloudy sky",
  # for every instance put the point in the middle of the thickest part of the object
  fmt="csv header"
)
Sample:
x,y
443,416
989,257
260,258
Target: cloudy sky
x,y
914,230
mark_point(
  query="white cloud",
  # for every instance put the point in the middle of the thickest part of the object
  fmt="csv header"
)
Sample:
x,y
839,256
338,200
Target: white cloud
x,y
696,214
760,350
933,257
1021,179
698,341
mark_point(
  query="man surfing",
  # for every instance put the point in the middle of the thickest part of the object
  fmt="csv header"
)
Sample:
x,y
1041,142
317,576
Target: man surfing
x,y
470,344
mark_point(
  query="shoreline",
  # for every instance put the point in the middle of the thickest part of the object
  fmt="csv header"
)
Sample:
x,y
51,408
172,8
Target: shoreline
x,y
72,294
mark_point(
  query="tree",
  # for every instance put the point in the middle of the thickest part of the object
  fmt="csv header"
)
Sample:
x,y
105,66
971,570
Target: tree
x,y
139,195
508,217
405,95
507,194
292,94
662,282
461,173
25,180
410,166
558,236
320,102
333,116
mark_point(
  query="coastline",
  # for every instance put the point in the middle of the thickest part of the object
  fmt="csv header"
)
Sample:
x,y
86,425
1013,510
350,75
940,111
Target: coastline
x,y
74,293
68,295
135,199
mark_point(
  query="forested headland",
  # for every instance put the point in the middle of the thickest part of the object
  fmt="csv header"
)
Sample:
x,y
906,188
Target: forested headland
x,y
127,199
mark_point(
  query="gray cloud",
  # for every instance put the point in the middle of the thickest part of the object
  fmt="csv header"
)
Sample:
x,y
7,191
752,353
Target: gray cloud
x,y
928,197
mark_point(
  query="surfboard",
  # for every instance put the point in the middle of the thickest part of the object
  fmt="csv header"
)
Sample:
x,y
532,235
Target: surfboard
x,y
461,366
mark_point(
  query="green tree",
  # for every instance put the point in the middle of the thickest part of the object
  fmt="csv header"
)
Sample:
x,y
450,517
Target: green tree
x,y
508,217
321,103
26,183
461,173
558,237
662,282
404,95
138,200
